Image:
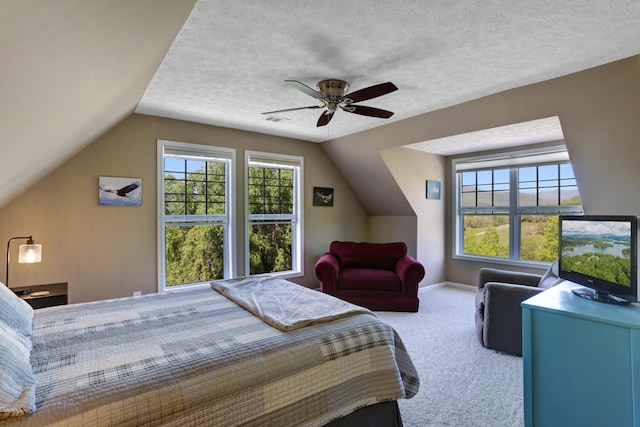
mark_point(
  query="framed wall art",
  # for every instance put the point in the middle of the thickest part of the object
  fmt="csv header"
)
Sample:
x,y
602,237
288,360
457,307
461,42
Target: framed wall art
x,y
322,196
433,189
116,191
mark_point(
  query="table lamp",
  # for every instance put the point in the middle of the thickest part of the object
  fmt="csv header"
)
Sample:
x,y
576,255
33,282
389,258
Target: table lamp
x,y
28,253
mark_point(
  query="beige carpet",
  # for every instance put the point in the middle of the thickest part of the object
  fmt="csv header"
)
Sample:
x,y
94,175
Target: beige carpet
x,y
462,383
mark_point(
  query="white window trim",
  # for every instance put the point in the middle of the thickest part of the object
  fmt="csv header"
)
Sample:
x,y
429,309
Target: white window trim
x,y
280,160
198,150
536,156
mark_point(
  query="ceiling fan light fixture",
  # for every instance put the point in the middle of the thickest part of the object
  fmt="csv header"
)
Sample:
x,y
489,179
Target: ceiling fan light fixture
x,y
333,94
333,89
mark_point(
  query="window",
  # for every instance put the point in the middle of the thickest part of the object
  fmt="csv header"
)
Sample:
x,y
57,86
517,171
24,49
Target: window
x,y
508,207
195,213
274,214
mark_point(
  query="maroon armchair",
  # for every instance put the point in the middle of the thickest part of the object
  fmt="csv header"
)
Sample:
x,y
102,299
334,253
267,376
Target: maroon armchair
x,y
378,276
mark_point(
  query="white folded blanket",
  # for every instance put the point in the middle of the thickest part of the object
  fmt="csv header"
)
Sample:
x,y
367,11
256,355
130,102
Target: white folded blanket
x,y
285,305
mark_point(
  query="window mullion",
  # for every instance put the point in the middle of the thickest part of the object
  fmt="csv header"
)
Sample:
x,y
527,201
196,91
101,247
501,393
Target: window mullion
x,y
537,186
206,188
493,188
559,185
185,188
514,216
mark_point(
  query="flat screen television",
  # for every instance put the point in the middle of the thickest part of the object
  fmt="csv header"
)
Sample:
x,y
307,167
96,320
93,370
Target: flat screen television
x,y
600,253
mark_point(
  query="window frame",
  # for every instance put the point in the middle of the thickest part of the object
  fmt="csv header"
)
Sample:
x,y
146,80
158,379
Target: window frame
x,y
296,163
511,161
227,220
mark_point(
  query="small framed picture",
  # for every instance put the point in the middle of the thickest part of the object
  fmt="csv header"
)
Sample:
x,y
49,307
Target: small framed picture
x,y
433,189
115,191
322,196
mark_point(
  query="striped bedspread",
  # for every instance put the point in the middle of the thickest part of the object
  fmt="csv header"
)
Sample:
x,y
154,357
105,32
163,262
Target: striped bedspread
x,y
195,358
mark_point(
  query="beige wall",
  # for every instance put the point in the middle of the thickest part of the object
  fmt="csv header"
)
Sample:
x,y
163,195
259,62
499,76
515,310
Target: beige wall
x,y
411,169
106,252
382,229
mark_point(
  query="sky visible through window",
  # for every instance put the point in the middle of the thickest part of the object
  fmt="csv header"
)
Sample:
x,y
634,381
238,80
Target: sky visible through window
x,y
176,165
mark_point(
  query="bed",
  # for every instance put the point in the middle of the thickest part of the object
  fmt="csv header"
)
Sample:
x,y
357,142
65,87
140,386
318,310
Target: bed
x,y
202,356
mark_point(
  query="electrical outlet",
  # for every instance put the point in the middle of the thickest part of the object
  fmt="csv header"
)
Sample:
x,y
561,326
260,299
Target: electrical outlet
x,y
137,293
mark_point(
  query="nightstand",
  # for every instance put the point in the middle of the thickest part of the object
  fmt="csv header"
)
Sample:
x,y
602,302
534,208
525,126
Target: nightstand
x,y
40,296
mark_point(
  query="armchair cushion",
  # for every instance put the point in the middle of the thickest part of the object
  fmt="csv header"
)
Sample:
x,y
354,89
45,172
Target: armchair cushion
x,y
502,317
551,277
486,275
369,279
383,256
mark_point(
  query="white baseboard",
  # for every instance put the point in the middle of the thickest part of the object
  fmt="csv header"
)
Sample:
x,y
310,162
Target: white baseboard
x,y
451,284
462,286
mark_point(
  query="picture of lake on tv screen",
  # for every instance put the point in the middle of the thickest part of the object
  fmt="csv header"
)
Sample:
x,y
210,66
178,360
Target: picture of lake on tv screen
x,y
600,249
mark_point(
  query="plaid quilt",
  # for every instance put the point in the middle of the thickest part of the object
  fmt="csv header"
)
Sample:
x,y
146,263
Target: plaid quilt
x,y
195,358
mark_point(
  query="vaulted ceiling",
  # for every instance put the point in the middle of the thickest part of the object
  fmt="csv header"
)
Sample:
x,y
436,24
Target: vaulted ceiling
x,y
71,69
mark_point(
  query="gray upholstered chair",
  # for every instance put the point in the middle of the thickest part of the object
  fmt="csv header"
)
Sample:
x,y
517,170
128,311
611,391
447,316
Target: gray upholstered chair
x,y
498,310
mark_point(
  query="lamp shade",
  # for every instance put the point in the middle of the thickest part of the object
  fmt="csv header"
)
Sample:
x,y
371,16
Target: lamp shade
x,y
30,253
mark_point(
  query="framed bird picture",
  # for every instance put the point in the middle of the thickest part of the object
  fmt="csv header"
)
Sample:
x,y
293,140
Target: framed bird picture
x,y
433,189
322,196
115,191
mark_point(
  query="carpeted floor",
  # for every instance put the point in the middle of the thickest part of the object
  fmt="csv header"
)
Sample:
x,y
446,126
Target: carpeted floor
x,y
461,383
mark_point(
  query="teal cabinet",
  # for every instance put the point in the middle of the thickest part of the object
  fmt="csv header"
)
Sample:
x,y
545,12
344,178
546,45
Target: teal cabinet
x,y
581,361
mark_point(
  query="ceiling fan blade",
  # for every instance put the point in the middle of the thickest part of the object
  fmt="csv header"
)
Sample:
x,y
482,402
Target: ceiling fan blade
x,y
370,92
294,109
368,111
304,88
325,118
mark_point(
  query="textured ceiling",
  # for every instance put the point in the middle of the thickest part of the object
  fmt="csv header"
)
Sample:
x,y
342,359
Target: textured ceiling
x,y
517,134
229,61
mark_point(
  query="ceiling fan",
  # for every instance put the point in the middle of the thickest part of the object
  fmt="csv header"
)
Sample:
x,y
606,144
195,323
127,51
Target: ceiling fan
x,y
333,94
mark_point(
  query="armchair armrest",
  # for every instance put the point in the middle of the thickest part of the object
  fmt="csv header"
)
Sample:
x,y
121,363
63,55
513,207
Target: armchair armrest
x,y
411,272
327,269
486,275
502,314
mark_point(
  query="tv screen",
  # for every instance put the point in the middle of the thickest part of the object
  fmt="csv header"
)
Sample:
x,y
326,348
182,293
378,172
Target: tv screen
x,y
600,253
